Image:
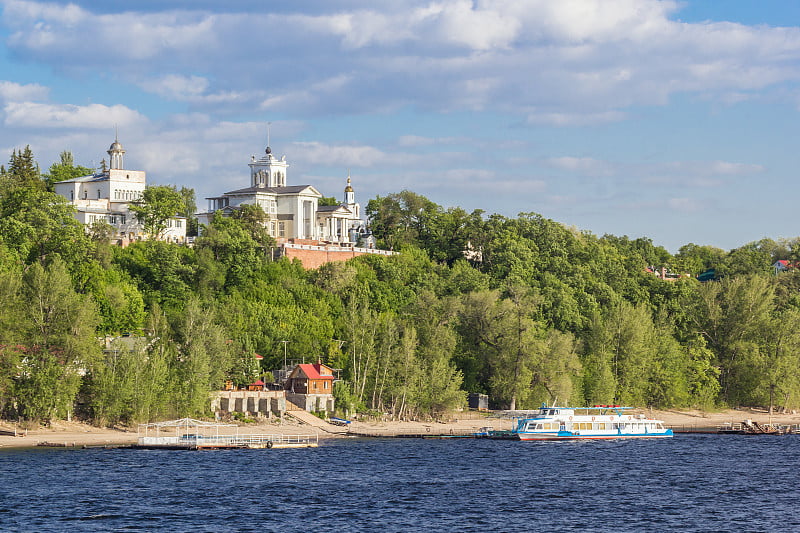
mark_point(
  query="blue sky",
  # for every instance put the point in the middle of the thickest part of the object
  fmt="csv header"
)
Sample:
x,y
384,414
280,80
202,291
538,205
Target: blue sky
x,y
666,119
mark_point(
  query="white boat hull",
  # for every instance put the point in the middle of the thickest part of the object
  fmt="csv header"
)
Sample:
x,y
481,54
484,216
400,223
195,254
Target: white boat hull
x,y
589,423
539,436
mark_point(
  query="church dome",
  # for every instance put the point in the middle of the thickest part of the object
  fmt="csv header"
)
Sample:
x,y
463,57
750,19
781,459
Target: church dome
x,y
349,188
115,147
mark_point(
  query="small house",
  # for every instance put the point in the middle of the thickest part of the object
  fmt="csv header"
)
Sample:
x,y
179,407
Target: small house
x,y
310,379
256,385
310,387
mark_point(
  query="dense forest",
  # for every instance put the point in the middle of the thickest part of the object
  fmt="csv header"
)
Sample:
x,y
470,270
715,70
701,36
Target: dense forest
x,y
523,309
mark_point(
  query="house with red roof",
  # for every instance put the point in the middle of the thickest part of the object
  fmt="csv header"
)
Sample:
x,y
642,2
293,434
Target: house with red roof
x,y
782,265
310,387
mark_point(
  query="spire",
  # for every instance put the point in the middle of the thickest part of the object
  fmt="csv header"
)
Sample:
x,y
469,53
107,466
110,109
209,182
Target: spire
x,y
269,127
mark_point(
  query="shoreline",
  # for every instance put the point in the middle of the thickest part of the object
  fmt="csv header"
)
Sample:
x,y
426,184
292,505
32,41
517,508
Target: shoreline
x,y
78,435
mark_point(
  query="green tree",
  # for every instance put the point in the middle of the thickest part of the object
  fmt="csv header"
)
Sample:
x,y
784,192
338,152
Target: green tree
x,y
559,371
694,258
204,358
158,204
64,170
254,220
59,335
733,315
23,171
703,376
399,219
328,201
37,224
781,358
189,211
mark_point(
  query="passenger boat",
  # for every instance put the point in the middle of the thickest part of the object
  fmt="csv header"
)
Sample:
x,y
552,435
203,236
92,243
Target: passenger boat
x,y
589,423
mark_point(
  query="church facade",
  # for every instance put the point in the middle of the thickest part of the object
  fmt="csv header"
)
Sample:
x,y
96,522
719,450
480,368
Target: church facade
x,y
106,196
295,215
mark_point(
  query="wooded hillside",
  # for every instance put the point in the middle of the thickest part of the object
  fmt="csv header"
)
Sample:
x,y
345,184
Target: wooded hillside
x,y
523,309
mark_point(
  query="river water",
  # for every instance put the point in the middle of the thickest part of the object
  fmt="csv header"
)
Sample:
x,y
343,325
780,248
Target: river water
x,y
688,483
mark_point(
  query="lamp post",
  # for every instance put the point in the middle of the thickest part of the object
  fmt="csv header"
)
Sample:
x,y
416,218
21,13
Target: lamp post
x,y
284,353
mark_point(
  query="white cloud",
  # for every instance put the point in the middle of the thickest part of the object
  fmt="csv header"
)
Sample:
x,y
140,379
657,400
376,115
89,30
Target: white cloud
x,y
685,204
15,92
582,165
316,153
713,168
576,119
568,63
413,141
94,116
193,89
176,86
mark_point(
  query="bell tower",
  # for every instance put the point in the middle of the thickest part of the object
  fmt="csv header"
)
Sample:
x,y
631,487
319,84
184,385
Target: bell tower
x,y
269,171
115,153
350,198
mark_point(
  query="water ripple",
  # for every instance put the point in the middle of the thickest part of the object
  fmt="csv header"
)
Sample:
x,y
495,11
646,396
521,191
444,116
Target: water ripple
x,y
691,483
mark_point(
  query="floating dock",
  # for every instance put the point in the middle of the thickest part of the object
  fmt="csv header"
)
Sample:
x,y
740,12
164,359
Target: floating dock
x,y
220,442
190,434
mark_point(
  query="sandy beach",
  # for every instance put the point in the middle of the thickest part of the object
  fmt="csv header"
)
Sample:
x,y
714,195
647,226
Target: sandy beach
x,y
79,435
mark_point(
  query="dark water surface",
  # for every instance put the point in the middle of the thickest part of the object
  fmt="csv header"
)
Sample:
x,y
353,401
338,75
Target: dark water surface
x,y
689,483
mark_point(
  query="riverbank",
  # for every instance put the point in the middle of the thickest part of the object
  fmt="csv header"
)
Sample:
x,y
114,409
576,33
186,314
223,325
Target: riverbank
x,y
77,434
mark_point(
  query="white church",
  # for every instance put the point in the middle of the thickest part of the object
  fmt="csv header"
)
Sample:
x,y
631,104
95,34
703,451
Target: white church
x,y
106,195
294,212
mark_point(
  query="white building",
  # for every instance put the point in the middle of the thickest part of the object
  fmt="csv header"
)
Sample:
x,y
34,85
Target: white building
x,y
106,195
294,211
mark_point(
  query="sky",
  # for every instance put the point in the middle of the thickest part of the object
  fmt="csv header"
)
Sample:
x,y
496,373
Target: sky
x,y
673,120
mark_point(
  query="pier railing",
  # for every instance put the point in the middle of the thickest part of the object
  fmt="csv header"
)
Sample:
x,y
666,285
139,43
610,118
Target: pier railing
x,y
229,441
426,431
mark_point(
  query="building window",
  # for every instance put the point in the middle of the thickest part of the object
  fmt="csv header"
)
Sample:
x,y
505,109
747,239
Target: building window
x,y
98,194
71,196
177,223
85,195
281,229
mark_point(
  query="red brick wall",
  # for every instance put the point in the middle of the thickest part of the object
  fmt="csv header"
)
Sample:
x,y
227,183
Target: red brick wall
x,y
317,258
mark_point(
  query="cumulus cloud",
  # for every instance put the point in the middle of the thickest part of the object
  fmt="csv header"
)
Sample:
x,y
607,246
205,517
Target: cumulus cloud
x,y
565,63
318,153
176,86
43,115
15,92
